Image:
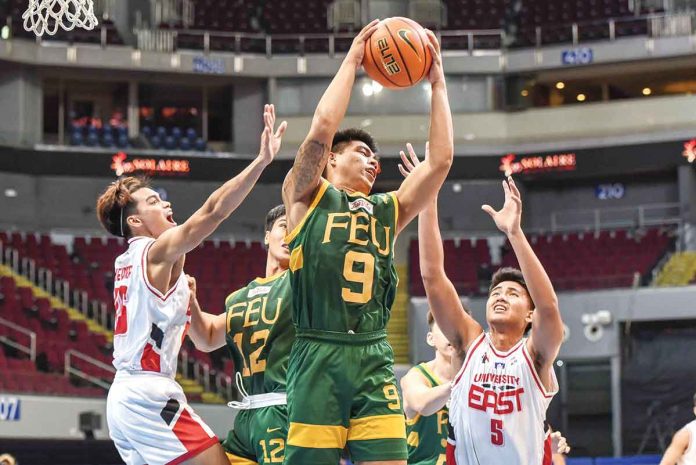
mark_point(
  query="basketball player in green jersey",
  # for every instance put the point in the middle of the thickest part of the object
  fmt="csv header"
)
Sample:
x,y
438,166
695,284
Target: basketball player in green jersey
x,y
426,389
257,327
341,386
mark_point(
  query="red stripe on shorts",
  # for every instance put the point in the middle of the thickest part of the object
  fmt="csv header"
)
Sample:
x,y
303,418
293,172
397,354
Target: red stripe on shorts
x,y
191,434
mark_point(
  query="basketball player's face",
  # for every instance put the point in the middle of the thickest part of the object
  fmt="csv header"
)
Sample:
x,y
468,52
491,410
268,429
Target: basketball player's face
x,y
355,167
438,340
275,239
152,215
509,304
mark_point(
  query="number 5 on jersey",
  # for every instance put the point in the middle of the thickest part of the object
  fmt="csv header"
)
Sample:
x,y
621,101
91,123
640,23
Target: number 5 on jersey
x,y
497,438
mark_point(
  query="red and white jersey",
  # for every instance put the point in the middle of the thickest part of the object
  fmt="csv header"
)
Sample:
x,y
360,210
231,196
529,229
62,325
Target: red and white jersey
x,y
150,326
689,457
498,408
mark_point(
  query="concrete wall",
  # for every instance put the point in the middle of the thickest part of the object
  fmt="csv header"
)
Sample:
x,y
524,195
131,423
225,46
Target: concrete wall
x,y
498,131
565,200
53,202
298,97
21,102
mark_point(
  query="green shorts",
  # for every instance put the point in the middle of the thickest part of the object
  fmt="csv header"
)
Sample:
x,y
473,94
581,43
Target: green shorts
x,y
342,392
258,436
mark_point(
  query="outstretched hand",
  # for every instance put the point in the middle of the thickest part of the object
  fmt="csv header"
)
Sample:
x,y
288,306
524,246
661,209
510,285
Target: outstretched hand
x,y
409,163
357,48
270,141
437,73
508,219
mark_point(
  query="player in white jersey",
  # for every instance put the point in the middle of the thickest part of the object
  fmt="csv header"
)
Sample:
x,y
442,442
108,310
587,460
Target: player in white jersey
x,y
506,382
149,418
682,450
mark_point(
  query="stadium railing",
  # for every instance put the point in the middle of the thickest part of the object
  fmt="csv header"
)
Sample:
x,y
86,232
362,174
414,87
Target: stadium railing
x,y
575,33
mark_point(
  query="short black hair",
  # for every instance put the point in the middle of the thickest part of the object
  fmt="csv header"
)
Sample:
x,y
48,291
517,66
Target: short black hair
x,y
341,139
273,215
509,274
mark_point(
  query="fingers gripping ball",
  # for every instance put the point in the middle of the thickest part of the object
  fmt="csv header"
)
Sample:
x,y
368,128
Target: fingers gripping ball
x,y
397,55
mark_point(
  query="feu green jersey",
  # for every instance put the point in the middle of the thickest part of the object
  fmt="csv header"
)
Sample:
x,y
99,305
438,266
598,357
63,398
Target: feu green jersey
x,y
342,261
426,437
260,332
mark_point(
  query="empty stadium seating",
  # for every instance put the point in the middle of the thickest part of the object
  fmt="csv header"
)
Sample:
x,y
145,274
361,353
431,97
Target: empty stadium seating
x,y
310,17
553,18
220,268
105,136
462,261
56,333
574,261
175,138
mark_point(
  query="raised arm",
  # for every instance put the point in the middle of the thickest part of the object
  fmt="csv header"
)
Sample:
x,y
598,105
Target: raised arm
x,y
305,176
420,398
677,448
456,324
422,186
207,331
176,242
547,326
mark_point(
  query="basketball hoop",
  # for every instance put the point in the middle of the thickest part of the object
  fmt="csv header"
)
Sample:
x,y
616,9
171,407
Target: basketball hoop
x,y
46,16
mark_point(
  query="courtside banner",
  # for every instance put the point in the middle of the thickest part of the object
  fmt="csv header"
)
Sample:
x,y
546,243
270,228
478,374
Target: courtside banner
x,y
560,164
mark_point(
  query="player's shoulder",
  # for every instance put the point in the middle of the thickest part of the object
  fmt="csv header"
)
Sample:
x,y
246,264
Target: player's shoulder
x,y
383,198
417,375
685,435
235,295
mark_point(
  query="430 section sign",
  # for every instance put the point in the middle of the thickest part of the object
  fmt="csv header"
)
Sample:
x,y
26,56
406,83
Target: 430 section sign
x,y
121,165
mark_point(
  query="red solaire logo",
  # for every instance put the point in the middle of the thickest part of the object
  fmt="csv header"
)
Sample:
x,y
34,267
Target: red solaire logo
x,y
153,166
690,150
534,164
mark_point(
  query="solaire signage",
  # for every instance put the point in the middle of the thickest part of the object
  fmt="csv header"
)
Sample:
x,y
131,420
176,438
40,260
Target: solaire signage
x,y
510,164
121,164
690,151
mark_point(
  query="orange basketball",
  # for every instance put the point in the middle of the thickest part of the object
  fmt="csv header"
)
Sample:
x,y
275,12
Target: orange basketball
x,y
397,55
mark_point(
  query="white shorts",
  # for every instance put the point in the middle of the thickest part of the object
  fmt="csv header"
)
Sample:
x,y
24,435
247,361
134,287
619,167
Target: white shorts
x,y
151,423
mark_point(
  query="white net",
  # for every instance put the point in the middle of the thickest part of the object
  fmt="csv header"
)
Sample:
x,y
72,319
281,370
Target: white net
x,y
46,16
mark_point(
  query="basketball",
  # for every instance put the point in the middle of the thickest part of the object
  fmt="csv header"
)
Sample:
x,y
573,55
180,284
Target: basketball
x,y
397,55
